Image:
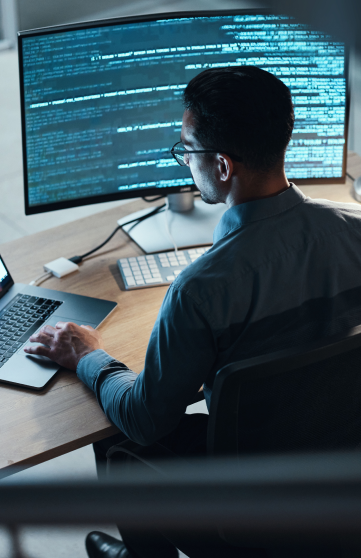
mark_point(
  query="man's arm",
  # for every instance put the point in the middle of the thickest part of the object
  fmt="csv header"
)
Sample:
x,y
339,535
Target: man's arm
x,y
180,354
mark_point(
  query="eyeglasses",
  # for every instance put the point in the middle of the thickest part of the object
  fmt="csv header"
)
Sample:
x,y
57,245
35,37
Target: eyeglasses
x,y
181,154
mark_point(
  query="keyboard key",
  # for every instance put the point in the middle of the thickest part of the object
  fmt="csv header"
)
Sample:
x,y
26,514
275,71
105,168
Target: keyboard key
x,y
177,272
139,281
170,278
153,280
165,264
130,281
128,273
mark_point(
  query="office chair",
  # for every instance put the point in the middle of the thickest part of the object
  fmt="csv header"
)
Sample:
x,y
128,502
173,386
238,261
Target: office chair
x,y
304,399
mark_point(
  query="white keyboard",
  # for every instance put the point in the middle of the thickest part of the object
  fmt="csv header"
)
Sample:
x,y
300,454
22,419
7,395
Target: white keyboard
x,y
156,270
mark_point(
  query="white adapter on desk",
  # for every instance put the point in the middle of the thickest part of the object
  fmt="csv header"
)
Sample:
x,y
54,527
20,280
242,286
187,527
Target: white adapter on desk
x,y
61,267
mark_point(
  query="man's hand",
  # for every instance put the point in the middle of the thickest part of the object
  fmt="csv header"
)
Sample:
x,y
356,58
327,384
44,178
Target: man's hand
x,y
66,343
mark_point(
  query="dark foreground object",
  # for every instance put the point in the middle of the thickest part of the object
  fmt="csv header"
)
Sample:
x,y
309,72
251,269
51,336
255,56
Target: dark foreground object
x,y
303,498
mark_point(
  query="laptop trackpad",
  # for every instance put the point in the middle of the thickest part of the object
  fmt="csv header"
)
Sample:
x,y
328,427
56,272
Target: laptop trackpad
x,y
28,371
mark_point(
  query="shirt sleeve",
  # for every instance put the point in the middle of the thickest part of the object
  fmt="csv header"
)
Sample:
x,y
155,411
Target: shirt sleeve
x,y
180,354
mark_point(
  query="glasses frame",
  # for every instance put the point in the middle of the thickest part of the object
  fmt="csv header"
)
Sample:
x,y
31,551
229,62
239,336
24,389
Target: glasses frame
x,y
173,152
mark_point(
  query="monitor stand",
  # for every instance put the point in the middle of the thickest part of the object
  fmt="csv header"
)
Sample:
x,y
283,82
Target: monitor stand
x,y
191,223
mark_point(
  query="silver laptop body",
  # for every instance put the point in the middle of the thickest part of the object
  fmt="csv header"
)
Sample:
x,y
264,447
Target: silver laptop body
x,y
23,310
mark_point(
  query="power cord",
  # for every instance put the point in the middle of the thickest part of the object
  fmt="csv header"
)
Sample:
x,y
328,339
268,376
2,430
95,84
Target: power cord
x,y
152,199
352,178
167,226
43,277
136,221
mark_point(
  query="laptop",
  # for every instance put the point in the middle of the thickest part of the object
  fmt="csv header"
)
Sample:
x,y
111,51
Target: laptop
x,y
23,310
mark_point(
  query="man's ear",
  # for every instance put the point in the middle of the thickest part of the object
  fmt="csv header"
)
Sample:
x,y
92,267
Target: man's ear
x,y
225,164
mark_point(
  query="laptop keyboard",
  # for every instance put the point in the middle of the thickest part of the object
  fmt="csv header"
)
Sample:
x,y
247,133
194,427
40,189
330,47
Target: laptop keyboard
x,y
20,320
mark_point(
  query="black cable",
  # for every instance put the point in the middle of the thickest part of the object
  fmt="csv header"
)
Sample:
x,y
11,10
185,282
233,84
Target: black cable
x,y
137,220
352,178
153,199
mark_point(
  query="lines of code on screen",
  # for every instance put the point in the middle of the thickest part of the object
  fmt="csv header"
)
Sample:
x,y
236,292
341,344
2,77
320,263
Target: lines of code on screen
x,y
103,106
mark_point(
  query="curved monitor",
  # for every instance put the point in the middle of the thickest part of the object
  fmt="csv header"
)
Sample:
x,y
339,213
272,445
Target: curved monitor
x,y
102,101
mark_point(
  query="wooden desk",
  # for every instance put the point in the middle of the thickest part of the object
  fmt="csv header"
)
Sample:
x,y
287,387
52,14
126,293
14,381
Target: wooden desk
x,y
35,427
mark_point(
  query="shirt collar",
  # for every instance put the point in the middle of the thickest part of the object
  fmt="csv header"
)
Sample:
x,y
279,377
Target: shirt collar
x,y
256,210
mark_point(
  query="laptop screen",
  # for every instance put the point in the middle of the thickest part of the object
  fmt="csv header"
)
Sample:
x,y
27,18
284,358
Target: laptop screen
x,y
5,278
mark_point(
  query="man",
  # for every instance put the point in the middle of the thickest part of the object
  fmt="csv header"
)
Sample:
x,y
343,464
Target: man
x,y
284,269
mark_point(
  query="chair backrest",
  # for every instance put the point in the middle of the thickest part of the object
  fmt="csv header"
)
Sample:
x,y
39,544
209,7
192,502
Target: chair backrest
x,y
304,399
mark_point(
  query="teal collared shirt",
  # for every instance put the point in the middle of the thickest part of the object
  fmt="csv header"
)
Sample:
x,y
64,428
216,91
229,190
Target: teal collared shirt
x,y
282,271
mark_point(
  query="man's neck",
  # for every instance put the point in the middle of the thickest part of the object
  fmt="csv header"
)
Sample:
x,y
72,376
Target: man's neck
x,y
250,186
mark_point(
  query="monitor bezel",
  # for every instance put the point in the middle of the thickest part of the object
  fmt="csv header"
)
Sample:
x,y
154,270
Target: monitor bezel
x,y
124,195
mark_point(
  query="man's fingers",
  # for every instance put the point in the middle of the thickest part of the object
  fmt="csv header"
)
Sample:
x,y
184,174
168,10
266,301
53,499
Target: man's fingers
x,y
37,350
60,325
63,325
42,337
48,330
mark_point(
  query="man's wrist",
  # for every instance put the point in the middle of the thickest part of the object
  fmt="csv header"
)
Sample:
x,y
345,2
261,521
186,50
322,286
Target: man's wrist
x,y
90,365
84,354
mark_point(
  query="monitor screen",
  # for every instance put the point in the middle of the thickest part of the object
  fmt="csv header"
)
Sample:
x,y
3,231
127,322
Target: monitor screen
x,y
5,278
102,101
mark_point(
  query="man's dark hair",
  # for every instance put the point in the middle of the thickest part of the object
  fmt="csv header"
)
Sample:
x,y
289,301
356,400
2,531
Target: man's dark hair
x,y
244,111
